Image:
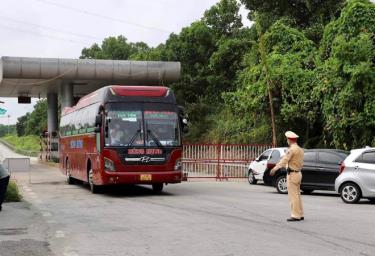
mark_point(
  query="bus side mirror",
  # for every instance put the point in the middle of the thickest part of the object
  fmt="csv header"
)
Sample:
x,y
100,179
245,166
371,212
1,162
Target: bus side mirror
x,y
183,120
98,120
185,128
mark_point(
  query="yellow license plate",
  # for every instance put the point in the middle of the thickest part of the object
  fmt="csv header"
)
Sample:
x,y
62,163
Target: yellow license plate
x,y
146,177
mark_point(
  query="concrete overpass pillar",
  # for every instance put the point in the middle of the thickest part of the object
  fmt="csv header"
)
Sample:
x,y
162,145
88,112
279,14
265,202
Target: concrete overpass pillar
x,y
66,95
52,112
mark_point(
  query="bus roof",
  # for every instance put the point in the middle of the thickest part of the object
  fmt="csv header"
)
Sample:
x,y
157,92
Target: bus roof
x,y
119,90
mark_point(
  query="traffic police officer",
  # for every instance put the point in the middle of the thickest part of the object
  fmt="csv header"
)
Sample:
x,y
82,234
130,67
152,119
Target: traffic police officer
x,y
293,162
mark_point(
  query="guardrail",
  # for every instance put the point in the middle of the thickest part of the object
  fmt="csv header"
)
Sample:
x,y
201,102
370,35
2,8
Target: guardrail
x,y
219,161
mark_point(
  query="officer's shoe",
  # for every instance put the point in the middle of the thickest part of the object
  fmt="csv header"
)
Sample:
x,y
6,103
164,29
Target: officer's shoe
x,y
293,219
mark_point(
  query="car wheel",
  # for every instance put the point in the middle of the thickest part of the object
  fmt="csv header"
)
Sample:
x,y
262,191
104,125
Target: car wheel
x,y
251,178
307,191
281,184
350,193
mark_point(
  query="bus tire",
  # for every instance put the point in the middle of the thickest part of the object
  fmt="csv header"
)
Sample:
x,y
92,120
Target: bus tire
x,y
69,178
157,187
93,188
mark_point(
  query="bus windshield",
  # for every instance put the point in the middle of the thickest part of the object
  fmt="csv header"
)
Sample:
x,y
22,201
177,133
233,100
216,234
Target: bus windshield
x,y
145,125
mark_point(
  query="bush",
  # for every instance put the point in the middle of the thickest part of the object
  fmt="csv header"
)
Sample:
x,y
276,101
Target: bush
x,y
13,194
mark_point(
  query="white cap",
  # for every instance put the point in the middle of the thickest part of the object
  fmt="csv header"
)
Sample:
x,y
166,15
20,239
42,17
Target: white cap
x,y
291,135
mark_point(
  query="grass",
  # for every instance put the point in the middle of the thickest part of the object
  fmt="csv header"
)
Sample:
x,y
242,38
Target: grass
x,y
26,143
12,194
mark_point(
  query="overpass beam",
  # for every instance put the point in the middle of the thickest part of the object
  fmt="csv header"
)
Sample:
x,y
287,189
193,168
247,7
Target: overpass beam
x,y
52,112
66,95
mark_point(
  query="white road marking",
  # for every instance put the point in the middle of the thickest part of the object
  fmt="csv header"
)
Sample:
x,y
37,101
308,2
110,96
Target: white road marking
x,y
26,188
46,214
59,234
69,252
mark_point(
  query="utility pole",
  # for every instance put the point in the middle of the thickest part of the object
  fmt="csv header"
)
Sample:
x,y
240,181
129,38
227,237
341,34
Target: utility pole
x,y
8,124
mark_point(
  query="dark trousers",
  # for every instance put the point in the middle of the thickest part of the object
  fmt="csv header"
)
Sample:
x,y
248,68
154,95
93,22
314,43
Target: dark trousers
x,y
3,188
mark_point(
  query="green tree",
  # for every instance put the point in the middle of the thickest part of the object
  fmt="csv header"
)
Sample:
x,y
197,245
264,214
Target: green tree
x,y
303,12
223,18
289,76
347,77
21,124
37,121
116,48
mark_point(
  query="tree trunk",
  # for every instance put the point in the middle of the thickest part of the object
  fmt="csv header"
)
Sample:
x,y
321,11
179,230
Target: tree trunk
x,y
263,56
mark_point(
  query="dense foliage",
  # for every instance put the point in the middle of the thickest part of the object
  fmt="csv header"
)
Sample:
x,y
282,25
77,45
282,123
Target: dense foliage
x,y
33,123
5,129
311,62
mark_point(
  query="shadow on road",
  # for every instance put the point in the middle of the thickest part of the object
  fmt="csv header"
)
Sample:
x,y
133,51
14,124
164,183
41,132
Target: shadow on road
x,y
126,190
315,193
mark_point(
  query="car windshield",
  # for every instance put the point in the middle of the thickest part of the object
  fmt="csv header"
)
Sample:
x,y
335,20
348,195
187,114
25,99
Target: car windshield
x,y
154,125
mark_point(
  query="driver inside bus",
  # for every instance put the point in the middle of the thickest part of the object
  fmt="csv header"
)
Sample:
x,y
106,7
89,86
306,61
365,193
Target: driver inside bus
x,y
116,134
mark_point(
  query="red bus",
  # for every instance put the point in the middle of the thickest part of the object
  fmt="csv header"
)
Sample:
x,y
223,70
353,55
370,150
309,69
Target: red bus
x,y
123,135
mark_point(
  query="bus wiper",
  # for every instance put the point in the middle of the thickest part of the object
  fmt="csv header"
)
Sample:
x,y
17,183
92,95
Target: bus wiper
x,y
134,137
154,138
157,141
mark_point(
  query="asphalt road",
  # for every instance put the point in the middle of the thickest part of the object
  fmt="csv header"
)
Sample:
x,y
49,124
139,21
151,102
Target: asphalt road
x,y
192,218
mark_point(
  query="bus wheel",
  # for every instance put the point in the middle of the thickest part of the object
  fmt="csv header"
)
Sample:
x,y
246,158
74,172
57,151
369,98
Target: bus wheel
x,y
94,188
157,187
69,178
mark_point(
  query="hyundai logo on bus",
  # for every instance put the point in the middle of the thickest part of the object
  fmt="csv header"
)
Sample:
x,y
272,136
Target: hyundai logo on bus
x,y
145,159
76,144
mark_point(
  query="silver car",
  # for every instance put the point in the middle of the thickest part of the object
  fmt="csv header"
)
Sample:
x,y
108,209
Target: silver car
x,y
357,176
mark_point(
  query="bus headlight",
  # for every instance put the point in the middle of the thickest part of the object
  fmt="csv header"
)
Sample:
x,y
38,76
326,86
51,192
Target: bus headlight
x,y
109,165
178,165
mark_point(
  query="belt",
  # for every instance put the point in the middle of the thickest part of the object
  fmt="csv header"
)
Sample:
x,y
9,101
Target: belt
x,y
291,170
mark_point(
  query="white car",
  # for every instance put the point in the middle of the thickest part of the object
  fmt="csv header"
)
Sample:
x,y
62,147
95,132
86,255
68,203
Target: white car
x,y
357,176
265,161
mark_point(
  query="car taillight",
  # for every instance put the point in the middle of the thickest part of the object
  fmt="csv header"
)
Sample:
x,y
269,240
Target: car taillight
x,y
342,167
270,166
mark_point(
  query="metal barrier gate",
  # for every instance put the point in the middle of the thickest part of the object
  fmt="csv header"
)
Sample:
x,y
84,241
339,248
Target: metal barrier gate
x,y
49,147
219,161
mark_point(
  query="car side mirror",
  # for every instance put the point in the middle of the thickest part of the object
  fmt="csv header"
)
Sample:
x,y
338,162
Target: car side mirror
x,y
257,159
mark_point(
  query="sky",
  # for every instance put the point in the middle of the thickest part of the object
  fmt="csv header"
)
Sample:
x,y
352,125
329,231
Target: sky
x,y
62,28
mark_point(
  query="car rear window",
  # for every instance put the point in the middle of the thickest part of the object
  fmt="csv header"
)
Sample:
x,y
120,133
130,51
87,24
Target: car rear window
x,y
330,158
275,156
367,157
309,157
